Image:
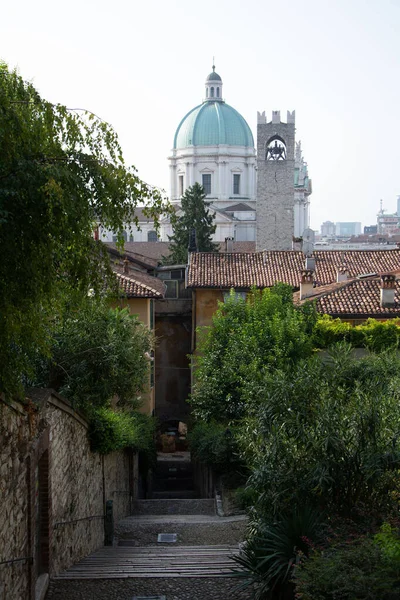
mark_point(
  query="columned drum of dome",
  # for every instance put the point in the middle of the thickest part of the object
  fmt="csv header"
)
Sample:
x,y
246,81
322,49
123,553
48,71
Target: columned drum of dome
x,y
214,146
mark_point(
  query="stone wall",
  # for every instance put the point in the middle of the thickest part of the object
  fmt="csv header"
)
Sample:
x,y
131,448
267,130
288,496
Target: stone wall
x,y
275,187
53,491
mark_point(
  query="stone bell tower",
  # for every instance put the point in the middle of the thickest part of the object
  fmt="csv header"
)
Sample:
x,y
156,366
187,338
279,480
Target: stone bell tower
x,y
275,182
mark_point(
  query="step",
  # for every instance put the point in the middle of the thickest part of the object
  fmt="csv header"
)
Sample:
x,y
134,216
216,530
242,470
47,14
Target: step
x,y
166,484
127,562
173,468
190,530
199,506
175,495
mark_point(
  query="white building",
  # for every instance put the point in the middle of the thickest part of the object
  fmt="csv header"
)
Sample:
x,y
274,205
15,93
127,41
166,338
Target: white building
x,y
214,146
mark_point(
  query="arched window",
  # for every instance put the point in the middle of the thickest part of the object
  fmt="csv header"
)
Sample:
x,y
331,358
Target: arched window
x,y
212,92
151,236
207,93
131,238
125,236
217,92
276,148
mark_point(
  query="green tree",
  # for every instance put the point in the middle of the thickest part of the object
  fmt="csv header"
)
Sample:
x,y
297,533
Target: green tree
x,y
326,434
196,218
98,353
60,172
247,341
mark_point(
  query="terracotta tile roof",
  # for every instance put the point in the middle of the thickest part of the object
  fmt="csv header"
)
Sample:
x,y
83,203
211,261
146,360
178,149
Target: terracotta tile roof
x,y
355,298
263,269
151,253
140,285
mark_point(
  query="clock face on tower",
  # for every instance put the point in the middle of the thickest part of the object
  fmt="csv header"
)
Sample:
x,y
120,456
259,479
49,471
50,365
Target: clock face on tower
x,y
276,149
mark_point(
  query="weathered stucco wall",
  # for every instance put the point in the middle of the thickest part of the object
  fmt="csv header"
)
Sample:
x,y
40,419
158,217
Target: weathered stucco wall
x,y
205,306
142,308
53,491
172,367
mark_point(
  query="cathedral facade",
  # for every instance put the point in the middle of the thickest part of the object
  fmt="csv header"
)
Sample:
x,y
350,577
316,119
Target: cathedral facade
x,y
260,197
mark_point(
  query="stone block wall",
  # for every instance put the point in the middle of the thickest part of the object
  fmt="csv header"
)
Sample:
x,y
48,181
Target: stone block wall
x,y
275,188
14,436
53,491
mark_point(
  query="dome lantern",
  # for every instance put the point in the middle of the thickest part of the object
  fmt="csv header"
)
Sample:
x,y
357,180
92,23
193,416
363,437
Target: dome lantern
x,y
213,87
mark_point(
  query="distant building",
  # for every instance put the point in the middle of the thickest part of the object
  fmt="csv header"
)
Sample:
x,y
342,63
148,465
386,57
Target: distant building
x,y
262,198
389,223
328,229
370,229
347,229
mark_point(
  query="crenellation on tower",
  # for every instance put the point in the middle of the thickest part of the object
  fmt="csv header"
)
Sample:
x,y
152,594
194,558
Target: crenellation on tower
x,y
261,118
276,116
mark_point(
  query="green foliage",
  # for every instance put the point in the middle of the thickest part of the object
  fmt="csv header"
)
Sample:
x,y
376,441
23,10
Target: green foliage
x,y
195,217
114,430
327,434
388,540
353,571
271,553
215,445
97,353
248,340
60,172
374,335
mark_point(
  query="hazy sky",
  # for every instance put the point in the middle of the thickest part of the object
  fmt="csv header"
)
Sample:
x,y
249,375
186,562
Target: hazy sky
x,y
142,65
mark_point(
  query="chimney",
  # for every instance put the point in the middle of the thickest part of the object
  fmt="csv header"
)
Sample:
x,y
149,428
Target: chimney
x,y
297,243
310,263
388,288
342,273
306,283
229,244
126,266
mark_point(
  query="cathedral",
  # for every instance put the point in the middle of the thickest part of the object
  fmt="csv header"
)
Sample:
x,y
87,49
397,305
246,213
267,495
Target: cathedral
x,y
256,196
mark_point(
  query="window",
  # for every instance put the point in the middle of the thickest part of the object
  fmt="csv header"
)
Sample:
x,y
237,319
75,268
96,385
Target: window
x,y
151,314
181,185
212,92
207,93
217,92
151,236
172,288
131,238
206,182
236,183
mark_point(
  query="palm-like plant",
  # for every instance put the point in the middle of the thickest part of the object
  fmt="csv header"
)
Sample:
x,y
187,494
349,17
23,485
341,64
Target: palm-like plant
x,y
266,563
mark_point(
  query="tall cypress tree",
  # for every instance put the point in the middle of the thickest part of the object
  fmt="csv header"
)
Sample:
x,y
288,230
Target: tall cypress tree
x,y
196,218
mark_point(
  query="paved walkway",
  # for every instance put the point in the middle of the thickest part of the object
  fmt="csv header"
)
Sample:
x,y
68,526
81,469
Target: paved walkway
x,y
197,567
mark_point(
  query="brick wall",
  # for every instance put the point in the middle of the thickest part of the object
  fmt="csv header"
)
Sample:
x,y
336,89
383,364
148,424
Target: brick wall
x,y
52,490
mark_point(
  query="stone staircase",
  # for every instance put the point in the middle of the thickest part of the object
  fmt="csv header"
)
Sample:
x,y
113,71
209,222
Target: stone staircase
x,y
197,565
173,477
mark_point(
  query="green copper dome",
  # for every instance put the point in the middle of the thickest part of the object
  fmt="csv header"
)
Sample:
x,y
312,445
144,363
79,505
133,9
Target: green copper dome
x,y
213,123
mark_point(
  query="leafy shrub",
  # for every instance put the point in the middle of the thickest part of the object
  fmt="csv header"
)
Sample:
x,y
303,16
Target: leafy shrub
x,y
266,563
97,353
216,445
354,571
374,335
388,540
327,434
247,339
110,430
